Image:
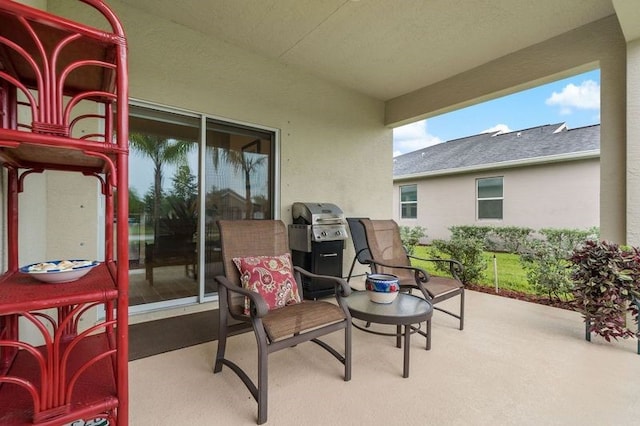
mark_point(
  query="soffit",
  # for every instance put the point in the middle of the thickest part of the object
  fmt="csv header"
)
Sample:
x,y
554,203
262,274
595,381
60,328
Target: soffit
x,y
381,48
628,12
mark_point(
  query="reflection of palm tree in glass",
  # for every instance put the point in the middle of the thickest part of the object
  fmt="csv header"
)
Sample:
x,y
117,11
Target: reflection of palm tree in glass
x,y
161,151
248,162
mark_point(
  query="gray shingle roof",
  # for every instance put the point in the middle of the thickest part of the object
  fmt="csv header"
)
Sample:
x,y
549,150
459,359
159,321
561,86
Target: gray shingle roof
x,y
486,148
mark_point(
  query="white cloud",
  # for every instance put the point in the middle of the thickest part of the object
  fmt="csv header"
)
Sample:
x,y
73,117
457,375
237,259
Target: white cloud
x,y
584,96
412,137
498,128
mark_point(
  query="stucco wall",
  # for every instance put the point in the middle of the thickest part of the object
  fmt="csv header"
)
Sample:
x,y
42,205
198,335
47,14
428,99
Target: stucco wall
x,y
558,195
633,143
334,146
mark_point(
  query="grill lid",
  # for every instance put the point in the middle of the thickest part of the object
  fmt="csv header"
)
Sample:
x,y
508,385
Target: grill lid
x,y
317,214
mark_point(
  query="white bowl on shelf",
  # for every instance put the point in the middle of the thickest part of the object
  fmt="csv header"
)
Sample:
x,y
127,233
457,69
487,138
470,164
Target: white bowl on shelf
x,y
48,272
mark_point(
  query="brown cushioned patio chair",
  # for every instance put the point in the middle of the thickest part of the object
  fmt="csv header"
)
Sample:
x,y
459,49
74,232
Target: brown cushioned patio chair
x,y
388,256
279,328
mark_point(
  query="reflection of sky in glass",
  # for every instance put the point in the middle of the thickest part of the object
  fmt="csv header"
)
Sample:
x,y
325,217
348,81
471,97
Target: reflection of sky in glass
x,y
225,176
141,174
141,171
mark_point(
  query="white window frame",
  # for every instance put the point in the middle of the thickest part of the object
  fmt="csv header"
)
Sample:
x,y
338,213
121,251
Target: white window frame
x,y
479,199
403,203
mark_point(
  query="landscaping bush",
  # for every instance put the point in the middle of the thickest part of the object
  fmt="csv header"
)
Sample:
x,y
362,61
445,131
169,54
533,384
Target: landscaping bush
x,y
568,239
468,251
511,238
544,266
546,261
547,269
495,238
607,283
471,231
411,236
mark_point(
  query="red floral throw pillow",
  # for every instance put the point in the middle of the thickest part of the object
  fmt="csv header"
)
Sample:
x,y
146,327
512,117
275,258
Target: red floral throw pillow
x,y
271,277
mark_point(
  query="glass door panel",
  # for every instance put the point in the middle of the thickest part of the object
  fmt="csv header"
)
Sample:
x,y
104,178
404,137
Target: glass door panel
x,y
168,197
163,205
238,184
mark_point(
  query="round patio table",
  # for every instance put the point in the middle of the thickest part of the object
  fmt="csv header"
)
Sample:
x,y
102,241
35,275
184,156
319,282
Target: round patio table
x,y
405,311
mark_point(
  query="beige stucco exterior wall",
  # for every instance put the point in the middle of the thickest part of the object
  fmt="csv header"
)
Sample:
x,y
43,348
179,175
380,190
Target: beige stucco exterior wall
x,y
599,44
556,195
633,142
333,144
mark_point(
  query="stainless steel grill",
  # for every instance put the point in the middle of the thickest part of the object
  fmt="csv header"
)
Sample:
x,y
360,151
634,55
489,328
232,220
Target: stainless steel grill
x,y
316,240
315,222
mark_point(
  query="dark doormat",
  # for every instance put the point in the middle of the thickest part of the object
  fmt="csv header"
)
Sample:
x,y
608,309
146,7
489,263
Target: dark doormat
x,y
164,335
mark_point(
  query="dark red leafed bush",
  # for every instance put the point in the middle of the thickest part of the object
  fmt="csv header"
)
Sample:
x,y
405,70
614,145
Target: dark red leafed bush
x,y
607,283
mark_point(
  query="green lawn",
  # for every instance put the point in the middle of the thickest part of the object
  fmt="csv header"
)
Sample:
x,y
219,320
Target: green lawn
x,y
511,276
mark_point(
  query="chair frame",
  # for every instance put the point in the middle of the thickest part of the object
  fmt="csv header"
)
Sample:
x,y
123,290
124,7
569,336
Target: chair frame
x,y
358,234
259,311
422,277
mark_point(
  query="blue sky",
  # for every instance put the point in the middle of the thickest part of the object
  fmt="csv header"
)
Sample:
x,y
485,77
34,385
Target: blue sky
x,y
574,100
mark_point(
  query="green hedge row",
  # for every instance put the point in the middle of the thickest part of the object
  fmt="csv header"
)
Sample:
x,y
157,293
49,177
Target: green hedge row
x,y
544,253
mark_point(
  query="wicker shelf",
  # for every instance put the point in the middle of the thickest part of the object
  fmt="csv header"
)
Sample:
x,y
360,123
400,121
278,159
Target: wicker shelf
x,y
63,107
96,383
20,292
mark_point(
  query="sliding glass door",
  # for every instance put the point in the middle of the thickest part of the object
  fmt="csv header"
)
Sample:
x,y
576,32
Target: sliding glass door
x,y
184,167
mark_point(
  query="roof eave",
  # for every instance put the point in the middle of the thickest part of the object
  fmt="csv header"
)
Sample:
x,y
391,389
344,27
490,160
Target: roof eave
x,y
534,161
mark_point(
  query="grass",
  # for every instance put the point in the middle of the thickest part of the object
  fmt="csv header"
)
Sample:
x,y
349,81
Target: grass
x,y
511,275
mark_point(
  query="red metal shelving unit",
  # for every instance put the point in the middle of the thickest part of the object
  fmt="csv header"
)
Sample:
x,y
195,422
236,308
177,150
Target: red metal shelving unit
x,y
52,71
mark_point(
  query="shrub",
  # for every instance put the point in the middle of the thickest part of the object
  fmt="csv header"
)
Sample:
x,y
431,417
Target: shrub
x,y
567,239
606,286
494,238
546,261
470,231
547,269
468,251
512,238
411,237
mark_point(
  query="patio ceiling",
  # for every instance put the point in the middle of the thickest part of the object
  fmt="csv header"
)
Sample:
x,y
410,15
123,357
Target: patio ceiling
x,y
382,48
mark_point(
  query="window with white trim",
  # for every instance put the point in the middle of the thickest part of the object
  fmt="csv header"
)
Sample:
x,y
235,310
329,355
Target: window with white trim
x,y
409,201
490,197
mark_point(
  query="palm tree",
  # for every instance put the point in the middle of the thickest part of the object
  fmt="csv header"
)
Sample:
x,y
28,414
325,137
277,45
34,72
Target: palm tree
x,y
241,160
161,151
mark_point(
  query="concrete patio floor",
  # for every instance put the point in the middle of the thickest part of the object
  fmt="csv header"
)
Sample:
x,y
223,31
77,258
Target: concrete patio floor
x,y
516,363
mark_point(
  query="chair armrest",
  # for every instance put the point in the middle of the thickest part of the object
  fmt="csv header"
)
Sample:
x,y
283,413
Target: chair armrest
x,y
455,267
257,302
362,250
341,286
422,276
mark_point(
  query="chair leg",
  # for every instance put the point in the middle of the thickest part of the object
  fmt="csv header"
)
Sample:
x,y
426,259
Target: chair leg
x,y
347,353
263,366
462,310
353,264
222,328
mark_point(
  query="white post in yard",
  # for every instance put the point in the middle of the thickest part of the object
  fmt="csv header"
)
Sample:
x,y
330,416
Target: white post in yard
x,y
495,272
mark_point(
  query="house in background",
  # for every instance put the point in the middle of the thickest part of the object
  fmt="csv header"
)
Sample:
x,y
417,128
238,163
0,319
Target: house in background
x,y
542,177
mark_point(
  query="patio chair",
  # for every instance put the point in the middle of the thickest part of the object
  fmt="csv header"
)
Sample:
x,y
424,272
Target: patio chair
x,y
359,238
388,256
265,241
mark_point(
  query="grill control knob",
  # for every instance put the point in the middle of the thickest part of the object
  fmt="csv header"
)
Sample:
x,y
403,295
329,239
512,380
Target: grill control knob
x,y
323,233
338,233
